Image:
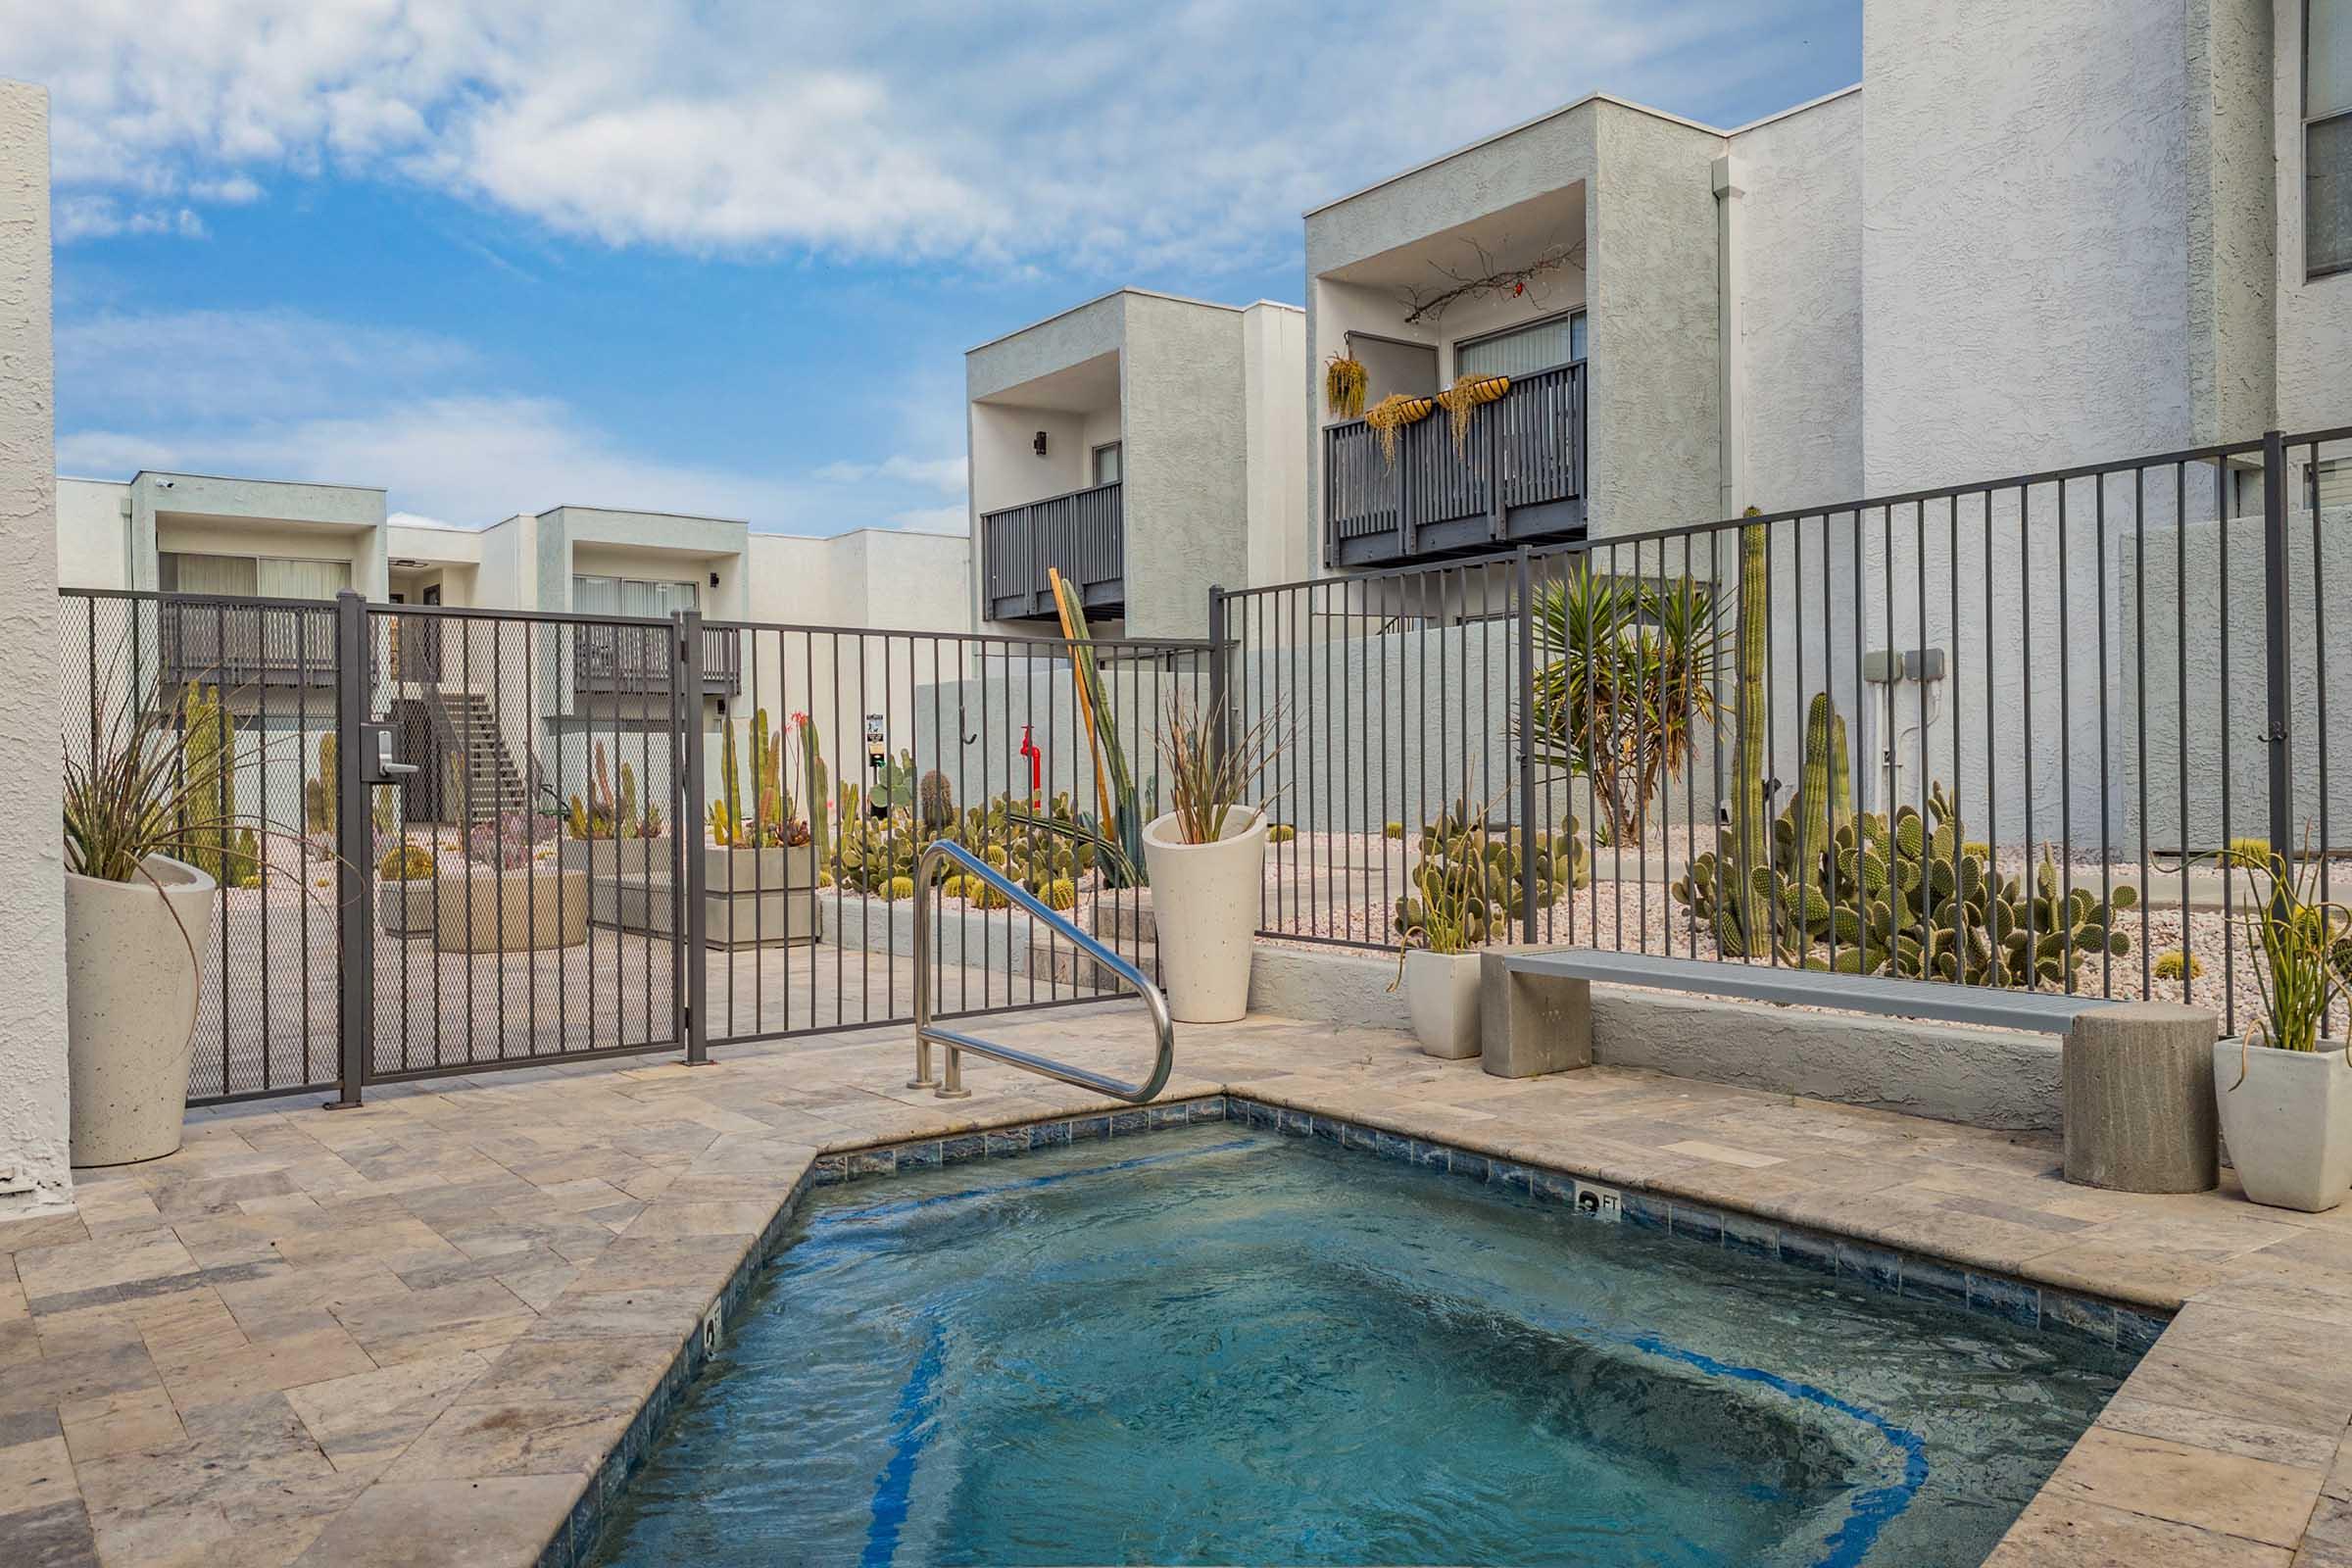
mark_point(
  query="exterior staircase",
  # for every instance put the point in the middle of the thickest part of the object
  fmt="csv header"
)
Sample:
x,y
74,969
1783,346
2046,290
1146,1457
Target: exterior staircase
x,y
470,748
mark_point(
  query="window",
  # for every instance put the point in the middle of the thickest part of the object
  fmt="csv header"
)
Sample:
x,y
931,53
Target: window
x,y
1390,366
2335,483
271,576
1523,350
1106,462
630,596
2326,136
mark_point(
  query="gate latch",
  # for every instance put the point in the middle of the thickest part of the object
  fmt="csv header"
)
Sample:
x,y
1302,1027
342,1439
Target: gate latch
x,y
377,762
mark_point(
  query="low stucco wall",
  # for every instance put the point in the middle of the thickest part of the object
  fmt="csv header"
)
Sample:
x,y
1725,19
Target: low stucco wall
x,y
1993,1078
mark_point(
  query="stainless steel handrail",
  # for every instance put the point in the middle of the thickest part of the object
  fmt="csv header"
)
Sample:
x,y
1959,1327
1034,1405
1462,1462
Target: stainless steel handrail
x,y
951,1086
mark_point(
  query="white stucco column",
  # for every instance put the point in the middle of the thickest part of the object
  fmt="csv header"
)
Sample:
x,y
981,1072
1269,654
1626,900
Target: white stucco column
x,y
34,1164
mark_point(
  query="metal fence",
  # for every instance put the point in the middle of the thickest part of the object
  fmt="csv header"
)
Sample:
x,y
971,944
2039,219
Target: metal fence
x,y
460,843
876,743
2078,688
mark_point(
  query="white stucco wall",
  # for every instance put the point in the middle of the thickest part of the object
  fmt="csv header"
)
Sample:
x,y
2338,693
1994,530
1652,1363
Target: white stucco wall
x,y
1797,268
93,533
34,1169
1280,549
2314,314
2023,236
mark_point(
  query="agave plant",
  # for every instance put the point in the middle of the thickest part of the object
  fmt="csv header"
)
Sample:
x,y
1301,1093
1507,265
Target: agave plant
x,y
1628,673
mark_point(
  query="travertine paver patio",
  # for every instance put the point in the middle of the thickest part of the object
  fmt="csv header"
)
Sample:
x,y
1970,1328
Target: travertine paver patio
x,y
412,1333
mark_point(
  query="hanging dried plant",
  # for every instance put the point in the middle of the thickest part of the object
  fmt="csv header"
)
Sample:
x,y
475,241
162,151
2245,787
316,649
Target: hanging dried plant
x,y
1393,414
1345,384
1467,393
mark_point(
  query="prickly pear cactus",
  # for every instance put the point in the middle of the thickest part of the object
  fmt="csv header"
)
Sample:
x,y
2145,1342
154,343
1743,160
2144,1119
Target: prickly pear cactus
x,y
1466,889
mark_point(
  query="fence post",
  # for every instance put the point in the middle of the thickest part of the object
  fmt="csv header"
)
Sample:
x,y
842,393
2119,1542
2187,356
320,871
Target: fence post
x,y
355,847
1524,699
689,665
2278,664
1221,734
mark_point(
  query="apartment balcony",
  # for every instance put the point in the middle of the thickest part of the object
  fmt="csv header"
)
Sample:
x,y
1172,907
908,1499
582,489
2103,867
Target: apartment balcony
x,y
1519,478
634,661
244,643
1082,534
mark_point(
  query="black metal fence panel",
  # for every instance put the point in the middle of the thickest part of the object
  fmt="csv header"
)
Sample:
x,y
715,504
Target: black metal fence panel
x,y
248,689
2036,731
850,750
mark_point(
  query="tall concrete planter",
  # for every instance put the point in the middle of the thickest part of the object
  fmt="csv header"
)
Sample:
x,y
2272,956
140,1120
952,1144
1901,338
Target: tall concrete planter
x,y
759,898
1441,993
519,911
1204,900
2289,1125
134,966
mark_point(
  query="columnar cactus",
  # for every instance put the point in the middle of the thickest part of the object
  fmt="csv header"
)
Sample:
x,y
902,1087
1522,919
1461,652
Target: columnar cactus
x,y
936,799
208,787
1741,918
731,785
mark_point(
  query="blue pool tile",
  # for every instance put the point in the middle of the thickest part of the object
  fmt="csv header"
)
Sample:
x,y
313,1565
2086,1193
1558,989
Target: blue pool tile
x,y
1880,1268
1086,1128
1216,1107
1353,1137
2012,1300
1298,1123
2136,1331
1130,1121
1007,1141
1175,1115
1698,1222
1757,1238
955,1151
1644,1211
1808,1251
1050,1135
1258,1115
830,1169
918,1156
1552,1187
1464,1163
1325,1129
2067,1313
872,1163
1430,1156
1926,1280
1508,1173
1388,1146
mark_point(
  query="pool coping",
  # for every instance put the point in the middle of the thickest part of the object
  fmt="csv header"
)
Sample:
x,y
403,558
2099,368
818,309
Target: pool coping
x,y
1908,1273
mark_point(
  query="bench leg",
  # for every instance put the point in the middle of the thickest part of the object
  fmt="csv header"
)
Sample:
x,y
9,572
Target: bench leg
x,y
1531,1024
2139,1110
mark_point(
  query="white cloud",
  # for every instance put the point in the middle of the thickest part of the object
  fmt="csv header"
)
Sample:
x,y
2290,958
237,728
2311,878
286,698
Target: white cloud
x,y
255,365
946,474
1189,132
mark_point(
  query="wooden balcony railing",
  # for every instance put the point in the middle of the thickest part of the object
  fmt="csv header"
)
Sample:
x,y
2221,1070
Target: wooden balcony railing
x,y
1519,478
1083,534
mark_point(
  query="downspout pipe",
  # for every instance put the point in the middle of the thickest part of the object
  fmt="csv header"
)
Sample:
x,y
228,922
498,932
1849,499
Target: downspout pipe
x,y
1730,393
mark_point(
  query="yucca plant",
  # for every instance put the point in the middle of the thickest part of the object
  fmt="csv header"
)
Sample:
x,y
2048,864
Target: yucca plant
x,y
1209,775
1628,673
2303,943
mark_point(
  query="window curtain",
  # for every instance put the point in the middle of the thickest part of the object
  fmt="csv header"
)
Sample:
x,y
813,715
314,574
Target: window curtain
x,y
276,578
208,574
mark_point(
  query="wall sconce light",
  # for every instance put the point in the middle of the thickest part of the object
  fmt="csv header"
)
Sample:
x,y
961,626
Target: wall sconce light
x,y
1038,446
714,579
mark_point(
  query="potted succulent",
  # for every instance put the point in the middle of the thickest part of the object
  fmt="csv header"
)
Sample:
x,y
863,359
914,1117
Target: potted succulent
x,y
2283,1087
143,797
1207,862
1442,919
759,872
404,891
607,836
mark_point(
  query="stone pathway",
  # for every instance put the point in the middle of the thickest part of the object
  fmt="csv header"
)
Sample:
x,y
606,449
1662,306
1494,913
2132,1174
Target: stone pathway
x,y
413,1333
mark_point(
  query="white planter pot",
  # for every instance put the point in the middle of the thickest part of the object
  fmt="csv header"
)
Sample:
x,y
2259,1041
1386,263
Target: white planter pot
x,y
2288,1126
131,983
405,908
1441,993
1205,901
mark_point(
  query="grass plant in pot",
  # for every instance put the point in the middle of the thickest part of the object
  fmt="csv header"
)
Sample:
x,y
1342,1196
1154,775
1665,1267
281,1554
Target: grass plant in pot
x,y
2285,1087
146,794
1207,860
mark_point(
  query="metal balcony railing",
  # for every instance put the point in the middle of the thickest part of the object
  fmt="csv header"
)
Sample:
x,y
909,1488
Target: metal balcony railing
x,y
1082,534
1517,478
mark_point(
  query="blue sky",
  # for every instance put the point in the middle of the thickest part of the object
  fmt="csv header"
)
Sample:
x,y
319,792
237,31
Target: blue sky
x,y
725,256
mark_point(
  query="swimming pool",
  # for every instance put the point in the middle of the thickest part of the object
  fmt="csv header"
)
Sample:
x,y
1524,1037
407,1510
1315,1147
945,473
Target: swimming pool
x,y
1218,1344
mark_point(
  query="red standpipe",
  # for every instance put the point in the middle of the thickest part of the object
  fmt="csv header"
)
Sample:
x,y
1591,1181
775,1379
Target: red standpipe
x,y
1036,766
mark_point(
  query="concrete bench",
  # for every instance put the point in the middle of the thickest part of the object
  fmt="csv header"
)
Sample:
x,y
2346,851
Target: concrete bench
x,y
2138,1077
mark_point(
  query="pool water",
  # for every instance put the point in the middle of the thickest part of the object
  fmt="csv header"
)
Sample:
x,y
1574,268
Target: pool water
x,y
1221,1345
